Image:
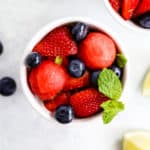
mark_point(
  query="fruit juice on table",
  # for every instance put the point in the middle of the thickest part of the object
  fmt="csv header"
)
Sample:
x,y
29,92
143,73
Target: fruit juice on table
x,y
77,71
137,11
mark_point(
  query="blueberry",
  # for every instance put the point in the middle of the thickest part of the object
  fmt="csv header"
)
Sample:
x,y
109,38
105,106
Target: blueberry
x,y
64,114
1,48
7,86
79,31
76,68
144,20
94,77
118,71
33,59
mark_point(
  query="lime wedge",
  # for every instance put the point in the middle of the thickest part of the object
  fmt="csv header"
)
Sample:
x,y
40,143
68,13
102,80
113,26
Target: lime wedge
x,y
146,85
138,140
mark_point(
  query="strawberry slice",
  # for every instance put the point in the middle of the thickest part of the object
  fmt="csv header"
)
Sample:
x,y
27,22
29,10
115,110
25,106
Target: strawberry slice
x,y
47,79
61,99
57,43
97,51
34,86
143,7
76,83
87,102
116,4
51,78
128,8
32,81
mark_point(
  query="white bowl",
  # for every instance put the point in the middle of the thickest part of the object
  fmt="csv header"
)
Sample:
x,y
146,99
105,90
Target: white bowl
x,y
128,24
35,102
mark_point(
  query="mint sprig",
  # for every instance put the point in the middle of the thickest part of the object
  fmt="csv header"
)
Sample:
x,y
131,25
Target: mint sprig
x,y
121,60
109,84
111,109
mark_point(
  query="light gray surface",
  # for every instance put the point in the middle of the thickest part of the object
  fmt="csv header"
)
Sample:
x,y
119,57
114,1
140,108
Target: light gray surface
x,y
21,127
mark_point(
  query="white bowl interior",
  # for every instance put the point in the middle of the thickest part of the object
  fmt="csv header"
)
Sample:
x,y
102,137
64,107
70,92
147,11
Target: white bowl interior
x,y
35,102
129,24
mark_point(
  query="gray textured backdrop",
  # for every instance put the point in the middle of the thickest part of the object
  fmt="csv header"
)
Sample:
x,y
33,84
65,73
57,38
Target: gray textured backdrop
x,y
22,128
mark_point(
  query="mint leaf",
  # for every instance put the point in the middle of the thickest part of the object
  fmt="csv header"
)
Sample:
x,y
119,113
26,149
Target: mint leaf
x,y
58,60
111,109
121,60
109,84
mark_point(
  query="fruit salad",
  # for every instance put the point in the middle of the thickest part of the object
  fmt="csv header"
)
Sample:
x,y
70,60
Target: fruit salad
x,y
137,11
77,72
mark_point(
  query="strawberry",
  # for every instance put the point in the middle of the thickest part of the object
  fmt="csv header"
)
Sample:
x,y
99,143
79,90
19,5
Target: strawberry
x,y
57,43
143,7
128,8
34,86
47,79
116,4
61,99
65,62
97,50
32,81
87,102
75,83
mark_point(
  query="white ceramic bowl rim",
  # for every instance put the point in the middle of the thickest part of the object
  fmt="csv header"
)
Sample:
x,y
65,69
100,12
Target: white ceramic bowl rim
x,y
49,27
128,24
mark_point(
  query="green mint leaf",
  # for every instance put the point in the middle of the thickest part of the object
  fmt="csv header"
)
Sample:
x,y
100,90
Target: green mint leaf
x,y
109,84
111,109
121,60
58,60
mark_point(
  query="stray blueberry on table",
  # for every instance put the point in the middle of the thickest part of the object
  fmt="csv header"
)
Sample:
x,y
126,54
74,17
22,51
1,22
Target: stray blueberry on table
x,y
7,86
1,48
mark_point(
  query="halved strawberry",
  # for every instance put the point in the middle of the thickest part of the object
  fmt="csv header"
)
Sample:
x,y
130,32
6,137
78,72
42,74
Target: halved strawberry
x,y
51,78
76,83
57,43
34,86
47,79
87,102
143,7
116,4
97,51
128,8
61,99
32,81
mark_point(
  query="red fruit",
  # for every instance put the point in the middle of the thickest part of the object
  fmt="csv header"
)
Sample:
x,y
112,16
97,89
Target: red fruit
x,y
32,81
87,102
143,7
65,62
128,8
75,83
61,99
50,79
34,86
97,50
116,4
57,43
